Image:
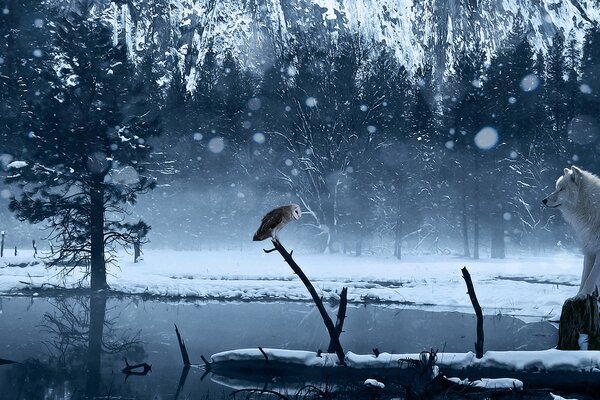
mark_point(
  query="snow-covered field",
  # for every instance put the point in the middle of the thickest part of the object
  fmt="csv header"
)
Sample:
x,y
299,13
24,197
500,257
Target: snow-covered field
x,y
529,287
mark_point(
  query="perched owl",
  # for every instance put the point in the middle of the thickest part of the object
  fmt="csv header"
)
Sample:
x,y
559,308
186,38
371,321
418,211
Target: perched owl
x,y
276,219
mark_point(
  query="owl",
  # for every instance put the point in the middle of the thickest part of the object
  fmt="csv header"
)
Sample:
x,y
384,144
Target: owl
x,y
276,219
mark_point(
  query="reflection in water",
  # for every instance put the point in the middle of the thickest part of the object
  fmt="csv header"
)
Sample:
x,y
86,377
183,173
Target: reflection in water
x,y
76,347
97,316
79,334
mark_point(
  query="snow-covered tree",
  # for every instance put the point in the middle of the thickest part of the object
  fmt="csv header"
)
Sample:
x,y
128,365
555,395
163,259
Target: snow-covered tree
x,y
85,159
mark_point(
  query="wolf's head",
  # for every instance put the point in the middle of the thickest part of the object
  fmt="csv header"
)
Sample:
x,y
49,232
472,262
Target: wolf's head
x,y
567,189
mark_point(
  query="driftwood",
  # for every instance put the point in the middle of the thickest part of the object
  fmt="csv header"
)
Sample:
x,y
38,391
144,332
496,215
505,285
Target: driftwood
x,y
478,312
137,369
333,335
341,317
579,316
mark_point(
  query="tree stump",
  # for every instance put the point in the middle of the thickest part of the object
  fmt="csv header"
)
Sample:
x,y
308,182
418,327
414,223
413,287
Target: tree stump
x,y
579,315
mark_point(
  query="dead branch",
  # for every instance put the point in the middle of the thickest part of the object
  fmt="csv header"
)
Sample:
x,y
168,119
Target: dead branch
x,y
341,316
264,354
184,353
142,369
333,336
478,312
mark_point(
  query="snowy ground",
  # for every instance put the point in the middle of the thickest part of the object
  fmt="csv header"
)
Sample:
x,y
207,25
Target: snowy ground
x,y
529,287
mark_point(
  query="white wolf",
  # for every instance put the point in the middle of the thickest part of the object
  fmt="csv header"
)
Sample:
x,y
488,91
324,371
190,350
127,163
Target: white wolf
x,y
577,196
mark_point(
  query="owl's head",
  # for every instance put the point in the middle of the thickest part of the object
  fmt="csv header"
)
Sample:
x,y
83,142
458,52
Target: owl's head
x,y
296,212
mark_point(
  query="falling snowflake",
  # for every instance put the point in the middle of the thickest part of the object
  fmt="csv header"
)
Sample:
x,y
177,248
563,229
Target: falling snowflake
x,y
216,145
311,102
259,137
254,104
486,138
530,83
585,89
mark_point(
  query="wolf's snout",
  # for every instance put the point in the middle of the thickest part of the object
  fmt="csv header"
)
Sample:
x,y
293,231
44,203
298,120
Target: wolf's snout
x,y
545,201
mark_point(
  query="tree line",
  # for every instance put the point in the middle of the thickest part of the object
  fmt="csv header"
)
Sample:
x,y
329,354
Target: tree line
x,y
381,158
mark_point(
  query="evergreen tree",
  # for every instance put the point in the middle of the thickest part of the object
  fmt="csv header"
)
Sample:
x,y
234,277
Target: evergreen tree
x,y
86,156
556,90
22,36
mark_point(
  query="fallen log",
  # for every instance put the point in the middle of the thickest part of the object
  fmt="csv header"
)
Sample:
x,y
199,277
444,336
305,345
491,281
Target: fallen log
x,y
575,371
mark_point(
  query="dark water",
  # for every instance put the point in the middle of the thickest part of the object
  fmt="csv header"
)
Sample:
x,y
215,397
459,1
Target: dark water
x,y
74,347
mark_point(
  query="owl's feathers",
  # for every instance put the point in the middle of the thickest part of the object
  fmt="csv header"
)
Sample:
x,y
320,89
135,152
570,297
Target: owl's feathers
x,y
276,219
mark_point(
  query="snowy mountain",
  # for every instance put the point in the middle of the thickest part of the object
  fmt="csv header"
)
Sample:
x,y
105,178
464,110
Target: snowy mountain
x,y
255,31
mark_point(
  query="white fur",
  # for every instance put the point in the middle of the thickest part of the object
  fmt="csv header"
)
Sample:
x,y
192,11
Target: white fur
x,y
577,196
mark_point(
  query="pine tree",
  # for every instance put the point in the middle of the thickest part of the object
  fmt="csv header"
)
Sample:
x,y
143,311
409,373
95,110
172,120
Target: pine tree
x,y
556,91
22,34
86,155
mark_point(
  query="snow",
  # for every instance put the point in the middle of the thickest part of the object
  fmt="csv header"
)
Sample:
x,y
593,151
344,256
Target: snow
x,y
486,138
487,383
532,288
300,357
556,397
545,360
17,164
374,383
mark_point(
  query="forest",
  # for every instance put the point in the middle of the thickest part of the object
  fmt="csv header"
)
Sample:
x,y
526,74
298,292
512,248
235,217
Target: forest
x,y
380,158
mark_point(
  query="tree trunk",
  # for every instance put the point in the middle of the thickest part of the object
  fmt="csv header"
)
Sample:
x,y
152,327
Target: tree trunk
x,y
358,247
579,316
97,262
137,249
497,249
476,212
465,226
398,240
97,312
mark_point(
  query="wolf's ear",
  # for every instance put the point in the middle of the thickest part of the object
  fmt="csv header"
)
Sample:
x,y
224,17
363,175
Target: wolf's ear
x,y
576,175
567,171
